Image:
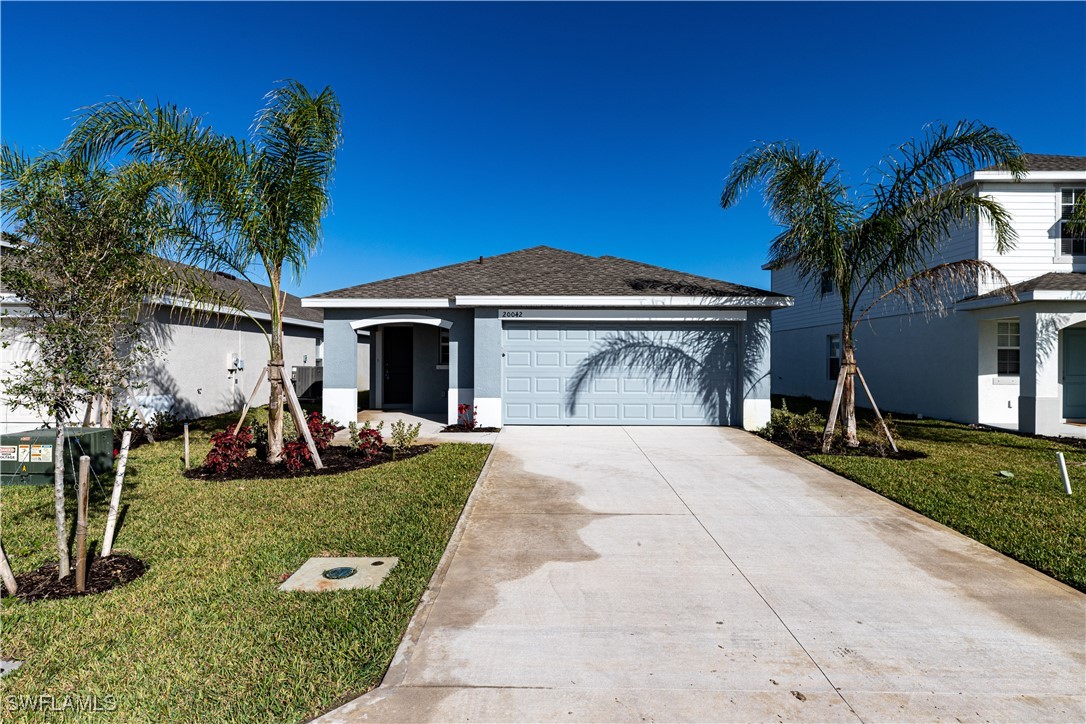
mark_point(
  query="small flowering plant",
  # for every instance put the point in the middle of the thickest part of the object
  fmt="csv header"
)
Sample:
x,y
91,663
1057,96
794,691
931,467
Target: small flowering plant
x,y
466,416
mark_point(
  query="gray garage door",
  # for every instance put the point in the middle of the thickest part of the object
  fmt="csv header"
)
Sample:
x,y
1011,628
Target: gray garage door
x,y
619,374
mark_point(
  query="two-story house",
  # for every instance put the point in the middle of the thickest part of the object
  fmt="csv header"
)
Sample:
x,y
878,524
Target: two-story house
x,y
1013,364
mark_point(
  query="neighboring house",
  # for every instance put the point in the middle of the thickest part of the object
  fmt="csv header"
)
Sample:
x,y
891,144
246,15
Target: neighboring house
x,y
548,337
204,367
1018,365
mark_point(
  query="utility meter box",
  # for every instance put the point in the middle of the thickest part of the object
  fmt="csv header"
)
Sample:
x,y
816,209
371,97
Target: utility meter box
x,y
29,458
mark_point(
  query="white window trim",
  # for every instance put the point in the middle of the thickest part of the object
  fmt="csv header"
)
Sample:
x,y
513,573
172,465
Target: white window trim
x,y
1061,257
1018,347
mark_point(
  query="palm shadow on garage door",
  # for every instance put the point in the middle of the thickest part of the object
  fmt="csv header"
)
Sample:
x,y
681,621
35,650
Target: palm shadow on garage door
x,y
694,370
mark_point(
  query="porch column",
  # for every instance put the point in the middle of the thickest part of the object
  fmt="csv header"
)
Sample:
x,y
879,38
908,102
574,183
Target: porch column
x,y
340,369
1027,374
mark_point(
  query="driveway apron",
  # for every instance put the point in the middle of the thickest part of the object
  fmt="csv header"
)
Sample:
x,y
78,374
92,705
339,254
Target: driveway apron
x,y
703,574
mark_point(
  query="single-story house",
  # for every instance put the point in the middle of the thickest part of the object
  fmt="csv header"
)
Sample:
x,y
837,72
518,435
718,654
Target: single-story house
x,y
549,337
203,367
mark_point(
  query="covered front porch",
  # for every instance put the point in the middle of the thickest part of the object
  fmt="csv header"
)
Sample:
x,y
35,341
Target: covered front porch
x,y
420,362
1032,367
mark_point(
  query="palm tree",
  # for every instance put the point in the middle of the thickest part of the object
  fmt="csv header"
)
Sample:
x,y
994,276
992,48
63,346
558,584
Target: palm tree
x,y
258,203
879,241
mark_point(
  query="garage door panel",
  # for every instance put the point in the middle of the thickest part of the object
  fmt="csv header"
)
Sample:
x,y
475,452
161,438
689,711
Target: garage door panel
x,y
518,359
518,384
558,374
548,385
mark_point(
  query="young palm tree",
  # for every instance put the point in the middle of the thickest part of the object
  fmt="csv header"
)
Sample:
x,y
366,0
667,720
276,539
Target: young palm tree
x,y
880,241
257,203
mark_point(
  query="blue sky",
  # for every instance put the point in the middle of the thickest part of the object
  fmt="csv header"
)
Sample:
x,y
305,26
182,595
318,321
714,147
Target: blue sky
x,y
599,128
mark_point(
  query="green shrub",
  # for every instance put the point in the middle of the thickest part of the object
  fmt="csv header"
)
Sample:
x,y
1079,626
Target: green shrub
x,y
403,436
124,418
792,428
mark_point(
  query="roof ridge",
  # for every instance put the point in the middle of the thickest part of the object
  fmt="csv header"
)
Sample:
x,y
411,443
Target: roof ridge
x,y
399,277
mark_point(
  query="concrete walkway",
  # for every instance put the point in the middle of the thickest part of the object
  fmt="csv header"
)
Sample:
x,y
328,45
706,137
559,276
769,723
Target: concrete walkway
x,y
702,574
430,430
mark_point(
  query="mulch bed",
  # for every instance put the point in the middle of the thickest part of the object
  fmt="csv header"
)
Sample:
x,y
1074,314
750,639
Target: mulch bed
x,y
807,447
336,459
464,428
103,574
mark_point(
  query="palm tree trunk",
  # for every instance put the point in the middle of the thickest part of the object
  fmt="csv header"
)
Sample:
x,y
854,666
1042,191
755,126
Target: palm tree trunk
x,y
275,376
848,397
58,499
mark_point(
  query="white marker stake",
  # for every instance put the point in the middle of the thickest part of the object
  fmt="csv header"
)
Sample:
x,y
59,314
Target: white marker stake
x,y
115,501
1063,472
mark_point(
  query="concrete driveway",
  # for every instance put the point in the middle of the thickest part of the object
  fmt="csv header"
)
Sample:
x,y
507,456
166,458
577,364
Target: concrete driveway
x,y
702,574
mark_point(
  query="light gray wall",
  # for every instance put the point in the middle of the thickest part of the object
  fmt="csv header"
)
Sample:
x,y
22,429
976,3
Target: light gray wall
x,y
363,363
430,384
191,370
488,353
340,349
757,339
912,365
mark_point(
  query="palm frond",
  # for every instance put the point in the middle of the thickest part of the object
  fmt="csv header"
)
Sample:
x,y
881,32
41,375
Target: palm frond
x,y
943,155
934,291
807,198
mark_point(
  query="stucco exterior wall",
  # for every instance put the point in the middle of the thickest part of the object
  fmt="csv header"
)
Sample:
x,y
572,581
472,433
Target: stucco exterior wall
x,y
907,367
431,385
192,372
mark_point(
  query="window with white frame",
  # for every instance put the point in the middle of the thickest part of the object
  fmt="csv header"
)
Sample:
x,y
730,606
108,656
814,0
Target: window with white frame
x,y
833,354
443,347
1008,350
1072,242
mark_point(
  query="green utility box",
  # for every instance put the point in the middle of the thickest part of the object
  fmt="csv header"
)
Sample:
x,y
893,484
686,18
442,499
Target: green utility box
x,y
28,458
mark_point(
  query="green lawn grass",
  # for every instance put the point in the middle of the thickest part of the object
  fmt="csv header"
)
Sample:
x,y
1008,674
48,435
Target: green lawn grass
x,y
1028,517
204,634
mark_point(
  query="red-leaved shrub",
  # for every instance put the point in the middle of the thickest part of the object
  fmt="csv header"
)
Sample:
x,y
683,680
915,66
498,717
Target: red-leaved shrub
x,y
465,416
295,454
322,429
370,442
228,450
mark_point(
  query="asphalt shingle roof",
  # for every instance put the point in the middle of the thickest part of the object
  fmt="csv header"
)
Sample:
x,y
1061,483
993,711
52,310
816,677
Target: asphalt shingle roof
x,y
545,271
251,297
1051,282
1047,162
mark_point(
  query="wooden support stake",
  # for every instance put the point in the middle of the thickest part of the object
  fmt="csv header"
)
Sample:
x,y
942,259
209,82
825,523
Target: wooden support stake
x,y
831,420
115,500
139,412
875,407
6,574
82,501
186,446
245,410
299,421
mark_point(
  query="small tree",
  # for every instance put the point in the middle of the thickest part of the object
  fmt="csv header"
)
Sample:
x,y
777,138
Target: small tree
x,y
80,263
879,242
